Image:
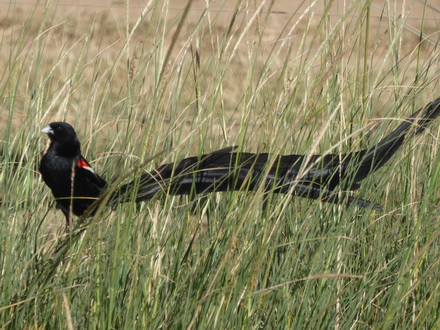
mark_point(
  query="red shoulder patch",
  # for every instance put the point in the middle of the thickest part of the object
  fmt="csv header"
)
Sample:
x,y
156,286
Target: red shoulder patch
x,y
83,163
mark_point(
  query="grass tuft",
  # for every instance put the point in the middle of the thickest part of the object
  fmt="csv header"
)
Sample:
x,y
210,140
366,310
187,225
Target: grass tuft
x,y
137,81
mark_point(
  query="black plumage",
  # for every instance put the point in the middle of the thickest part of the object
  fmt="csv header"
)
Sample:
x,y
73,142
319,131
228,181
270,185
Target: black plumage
x,y
316,177
63,165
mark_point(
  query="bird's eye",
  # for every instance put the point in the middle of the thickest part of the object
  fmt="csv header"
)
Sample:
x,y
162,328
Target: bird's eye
x,y
59,128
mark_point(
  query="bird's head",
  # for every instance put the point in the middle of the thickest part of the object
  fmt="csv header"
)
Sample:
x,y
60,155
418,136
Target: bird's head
x,y
63,137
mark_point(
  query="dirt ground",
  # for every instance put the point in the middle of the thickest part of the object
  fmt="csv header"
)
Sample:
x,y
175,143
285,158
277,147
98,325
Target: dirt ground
x,y
68,22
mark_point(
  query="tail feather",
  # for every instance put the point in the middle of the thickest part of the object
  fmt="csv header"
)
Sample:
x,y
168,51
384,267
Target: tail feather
x,y
377,156
227,170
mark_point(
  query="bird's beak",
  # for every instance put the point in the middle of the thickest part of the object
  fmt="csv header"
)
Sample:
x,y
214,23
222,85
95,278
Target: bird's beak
x,y
47,130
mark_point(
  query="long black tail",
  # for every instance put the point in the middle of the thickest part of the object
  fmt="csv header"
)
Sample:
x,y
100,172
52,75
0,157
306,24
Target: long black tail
x,y
316,176
377,156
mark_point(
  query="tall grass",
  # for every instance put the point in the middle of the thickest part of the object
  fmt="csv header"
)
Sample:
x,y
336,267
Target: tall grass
x,y
186,82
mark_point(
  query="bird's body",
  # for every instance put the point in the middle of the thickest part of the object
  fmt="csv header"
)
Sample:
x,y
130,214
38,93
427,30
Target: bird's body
x,y
63,165
315,176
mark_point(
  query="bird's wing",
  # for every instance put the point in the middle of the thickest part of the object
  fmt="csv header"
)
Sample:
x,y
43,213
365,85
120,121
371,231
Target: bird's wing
x,y
85,171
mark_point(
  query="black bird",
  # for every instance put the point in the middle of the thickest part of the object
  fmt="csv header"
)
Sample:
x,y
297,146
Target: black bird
x,y
316,177
73,182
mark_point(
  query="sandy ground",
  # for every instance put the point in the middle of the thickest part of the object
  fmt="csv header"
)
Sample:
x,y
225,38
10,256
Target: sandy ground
x,y
68,23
